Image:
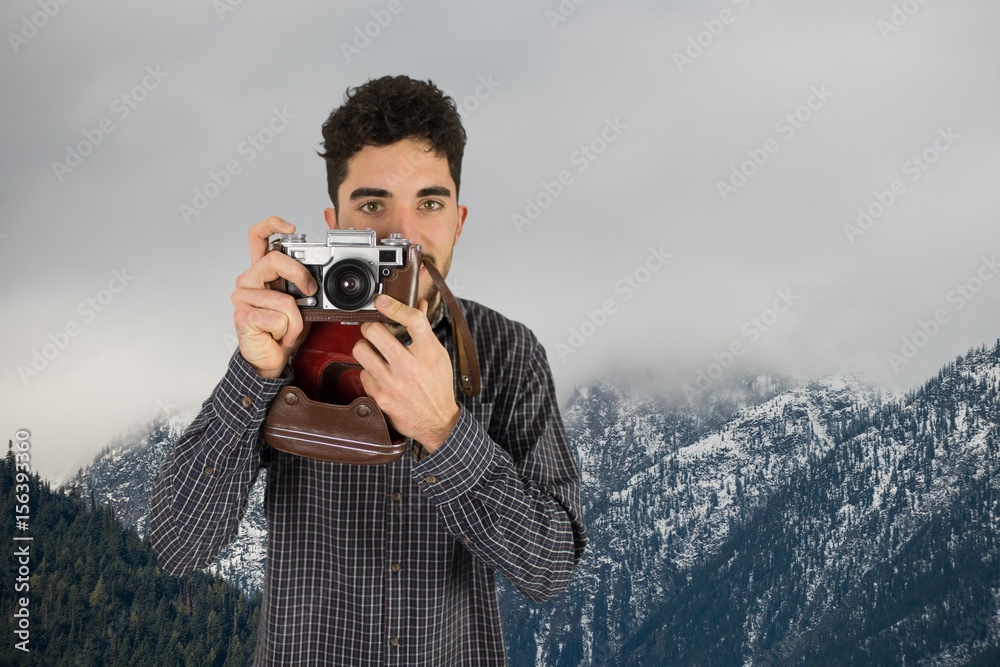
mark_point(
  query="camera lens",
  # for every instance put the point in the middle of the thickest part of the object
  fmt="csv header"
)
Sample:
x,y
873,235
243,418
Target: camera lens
x,y
350,284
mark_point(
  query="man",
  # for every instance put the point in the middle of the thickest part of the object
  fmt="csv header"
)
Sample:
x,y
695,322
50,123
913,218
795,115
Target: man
x,y
386,564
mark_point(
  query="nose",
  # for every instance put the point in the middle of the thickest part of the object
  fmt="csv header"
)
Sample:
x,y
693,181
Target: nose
x,y
404,221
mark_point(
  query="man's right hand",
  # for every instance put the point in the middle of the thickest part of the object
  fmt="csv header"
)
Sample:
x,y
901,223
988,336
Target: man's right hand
x,y
268,323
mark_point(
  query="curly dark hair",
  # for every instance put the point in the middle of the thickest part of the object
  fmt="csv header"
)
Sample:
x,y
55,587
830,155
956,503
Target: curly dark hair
x,y
384,111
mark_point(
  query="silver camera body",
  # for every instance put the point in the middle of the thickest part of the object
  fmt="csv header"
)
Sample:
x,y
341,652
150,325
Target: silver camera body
x,y
351,268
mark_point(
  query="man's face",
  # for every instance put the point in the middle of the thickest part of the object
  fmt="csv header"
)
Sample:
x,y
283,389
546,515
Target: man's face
x,y
403,188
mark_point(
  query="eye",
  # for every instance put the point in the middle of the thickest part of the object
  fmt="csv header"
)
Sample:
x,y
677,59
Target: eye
x,y
431,205
370,207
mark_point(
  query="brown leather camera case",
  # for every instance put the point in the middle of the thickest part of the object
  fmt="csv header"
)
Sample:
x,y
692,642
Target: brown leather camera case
x,y
355,433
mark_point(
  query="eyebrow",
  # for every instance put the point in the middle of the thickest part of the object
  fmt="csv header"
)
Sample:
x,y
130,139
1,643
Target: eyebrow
x,y
432,191
361,193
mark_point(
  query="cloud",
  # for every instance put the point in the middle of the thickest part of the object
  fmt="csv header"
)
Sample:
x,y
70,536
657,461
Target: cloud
x,y
538,134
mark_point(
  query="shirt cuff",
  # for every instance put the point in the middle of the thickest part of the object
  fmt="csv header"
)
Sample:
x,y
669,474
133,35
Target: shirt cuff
x,y
458,465
243,397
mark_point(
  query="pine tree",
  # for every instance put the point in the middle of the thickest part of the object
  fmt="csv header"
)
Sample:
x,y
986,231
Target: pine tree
x,y
98,598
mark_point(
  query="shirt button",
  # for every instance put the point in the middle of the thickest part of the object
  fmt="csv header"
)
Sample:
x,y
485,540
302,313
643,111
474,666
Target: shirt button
x,y
247,402
431,479
397,496
466,540
394,567
393,641
209,470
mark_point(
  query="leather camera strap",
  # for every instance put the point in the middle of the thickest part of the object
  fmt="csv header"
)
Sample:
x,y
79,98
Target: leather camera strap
x,y
465,348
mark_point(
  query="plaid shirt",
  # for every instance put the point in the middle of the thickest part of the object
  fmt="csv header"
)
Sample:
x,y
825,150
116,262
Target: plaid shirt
x,y
388,564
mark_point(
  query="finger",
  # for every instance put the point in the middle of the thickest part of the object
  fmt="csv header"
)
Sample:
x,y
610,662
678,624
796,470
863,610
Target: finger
x,y
373,389
414,320
367,383
251,322
276,265
273,303
262,231
301,338
370,359
382,340
423,305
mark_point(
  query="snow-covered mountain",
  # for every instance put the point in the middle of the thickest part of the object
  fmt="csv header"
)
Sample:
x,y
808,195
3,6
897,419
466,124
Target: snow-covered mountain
x,y
122,475
828,523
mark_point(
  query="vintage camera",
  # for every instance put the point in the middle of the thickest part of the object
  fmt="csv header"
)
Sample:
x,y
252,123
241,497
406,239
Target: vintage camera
x,y
351,269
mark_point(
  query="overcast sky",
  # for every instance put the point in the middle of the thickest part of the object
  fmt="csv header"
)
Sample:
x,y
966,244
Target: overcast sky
x,y
652,186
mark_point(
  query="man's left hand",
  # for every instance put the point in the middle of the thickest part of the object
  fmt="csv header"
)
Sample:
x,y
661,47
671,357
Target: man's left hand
x,y
413,385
